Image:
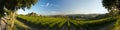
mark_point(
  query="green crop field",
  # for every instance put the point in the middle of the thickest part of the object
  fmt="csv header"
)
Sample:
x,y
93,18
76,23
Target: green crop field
x,y
58,23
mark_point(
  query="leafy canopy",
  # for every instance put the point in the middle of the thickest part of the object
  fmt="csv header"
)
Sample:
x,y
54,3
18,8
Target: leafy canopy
x,y
113,6
14,5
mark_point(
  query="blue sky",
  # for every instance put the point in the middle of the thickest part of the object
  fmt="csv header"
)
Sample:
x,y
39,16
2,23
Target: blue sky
x,y
55,7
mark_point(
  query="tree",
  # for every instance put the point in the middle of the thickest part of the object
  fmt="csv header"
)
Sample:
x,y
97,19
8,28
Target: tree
x,y
12,6
32,14
1,9
113,6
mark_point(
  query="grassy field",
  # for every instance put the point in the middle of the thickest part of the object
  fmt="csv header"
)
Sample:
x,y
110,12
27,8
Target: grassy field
x,y
57,23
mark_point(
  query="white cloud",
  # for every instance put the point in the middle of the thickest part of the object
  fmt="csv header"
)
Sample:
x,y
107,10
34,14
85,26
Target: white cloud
x,y
47,4
20,11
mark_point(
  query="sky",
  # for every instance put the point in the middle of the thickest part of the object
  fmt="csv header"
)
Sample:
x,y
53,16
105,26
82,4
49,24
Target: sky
x,y
58,7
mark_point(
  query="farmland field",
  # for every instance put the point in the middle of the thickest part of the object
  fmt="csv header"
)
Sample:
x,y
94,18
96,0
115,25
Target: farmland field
x,y
59,23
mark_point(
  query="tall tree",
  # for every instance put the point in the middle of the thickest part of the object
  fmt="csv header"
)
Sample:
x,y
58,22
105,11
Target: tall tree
x,y
113,6
12,6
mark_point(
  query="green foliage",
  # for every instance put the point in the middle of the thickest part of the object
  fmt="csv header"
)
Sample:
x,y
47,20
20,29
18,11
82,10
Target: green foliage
x,y
1,9
14,5
108,3
2,13
113,6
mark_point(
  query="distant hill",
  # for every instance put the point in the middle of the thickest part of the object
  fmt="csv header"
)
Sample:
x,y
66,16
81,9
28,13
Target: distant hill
x,y
84,16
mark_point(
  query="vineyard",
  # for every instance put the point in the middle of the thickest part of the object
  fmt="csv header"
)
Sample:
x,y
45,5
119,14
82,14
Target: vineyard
x,y
58,23
60,15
